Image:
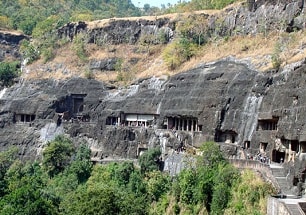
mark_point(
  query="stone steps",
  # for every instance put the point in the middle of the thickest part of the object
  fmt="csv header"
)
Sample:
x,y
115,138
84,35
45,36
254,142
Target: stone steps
x,y
284,185
278,172
295,209
280,176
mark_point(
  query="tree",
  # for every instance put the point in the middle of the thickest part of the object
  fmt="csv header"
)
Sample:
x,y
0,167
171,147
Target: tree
x,y
149,160
157,184
25,192
8,71
223,181
104,193
7,158
57,155
81,165
146,8
211,155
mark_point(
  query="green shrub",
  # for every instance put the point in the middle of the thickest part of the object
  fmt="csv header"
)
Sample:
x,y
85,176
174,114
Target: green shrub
x,y
149,161
57,155
89,74
276,58
29,51
178,52
8,71
79,42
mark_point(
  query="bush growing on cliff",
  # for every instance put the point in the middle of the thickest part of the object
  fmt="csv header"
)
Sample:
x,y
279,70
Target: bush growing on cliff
x,y
249,195
178,52
8,71
276,58
4,22
79,46
29,51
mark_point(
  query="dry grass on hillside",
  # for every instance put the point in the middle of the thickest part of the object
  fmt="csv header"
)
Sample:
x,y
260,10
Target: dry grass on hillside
x,y
172,16
257,49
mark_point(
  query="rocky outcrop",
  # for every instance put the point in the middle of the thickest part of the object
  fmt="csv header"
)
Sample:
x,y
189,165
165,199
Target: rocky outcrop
x,y
250,18
9,45
221,101
11,37
118,31
108,64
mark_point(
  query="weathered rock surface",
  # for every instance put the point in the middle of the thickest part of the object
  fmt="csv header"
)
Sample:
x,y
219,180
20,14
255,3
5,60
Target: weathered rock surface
x,y
108,64
222,101
245,19
9,45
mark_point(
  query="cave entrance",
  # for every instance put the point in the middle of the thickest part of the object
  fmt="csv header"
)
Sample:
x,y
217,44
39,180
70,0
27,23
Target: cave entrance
x,y
303,147
278,156
182,124
295,146
77,103
263,147
267,124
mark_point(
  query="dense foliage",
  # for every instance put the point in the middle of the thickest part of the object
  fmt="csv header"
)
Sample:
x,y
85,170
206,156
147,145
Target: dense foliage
x,y
26,15
67,183
8,71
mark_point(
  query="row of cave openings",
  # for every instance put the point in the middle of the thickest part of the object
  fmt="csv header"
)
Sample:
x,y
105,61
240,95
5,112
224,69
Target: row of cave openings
x,y
149,120
72,106
289,151
68,108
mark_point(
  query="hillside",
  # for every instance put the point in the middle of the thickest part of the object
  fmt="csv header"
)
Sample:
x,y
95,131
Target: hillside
x,y
125,86
209,36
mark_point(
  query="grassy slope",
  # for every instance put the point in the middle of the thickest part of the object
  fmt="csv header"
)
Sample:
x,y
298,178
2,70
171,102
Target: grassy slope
x,y
256,49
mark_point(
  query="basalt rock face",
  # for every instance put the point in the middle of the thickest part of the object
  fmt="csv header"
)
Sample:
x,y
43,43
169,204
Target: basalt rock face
x,y
250,18
246,111
9,45
203,104
118,31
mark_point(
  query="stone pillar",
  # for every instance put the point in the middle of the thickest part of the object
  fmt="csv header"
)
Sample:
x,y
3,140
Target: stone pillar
x,y
167,123
196,126
180,124
192,121
290,152
187,127
183,126
175,123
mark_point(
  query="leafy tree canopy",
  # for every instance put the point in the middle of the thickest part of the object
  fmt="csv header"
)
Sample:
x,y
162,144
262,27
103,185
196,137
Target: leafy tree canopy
x,y
211,186
57,155
8,71
149,160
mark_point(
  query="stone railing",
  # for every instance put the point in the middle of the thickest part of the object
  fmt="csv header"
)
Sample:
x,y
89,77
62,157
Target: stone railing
x,y
275,207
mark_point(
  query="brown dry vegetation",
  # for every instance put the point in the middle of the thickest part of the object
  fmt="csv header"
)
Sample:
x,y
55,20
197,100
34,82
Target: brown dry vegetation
x,y
256,49
172,16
